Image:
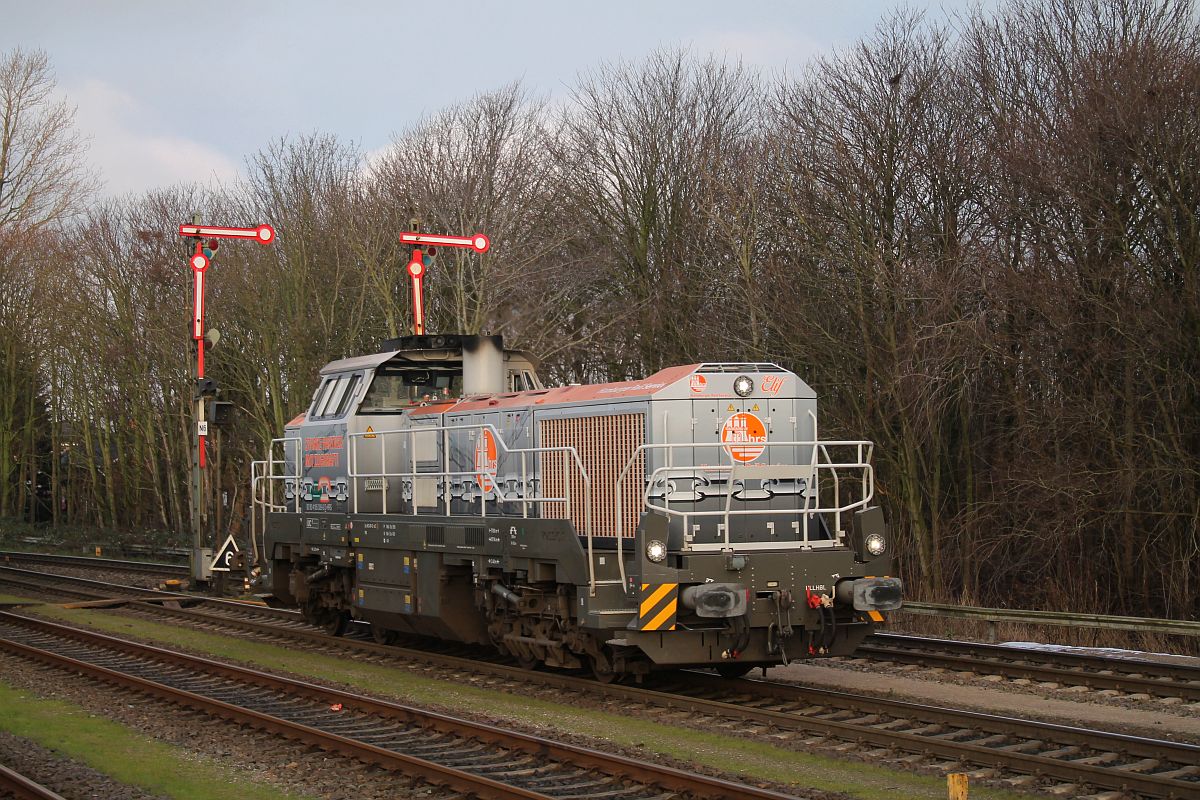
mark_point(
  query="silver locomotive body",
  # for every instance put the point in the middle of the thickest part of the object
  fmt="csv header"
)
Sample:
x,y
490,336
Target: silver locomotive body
x,y
690,518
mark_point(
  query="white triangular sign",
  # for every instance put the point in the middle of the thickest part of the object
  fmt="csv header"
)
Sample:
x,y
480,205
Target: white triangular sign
x,y
225,556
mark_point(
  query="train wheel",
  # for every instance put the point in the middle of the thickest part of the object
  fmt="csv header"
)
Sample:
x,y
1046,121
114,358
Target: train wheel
x,y
382,635
336,622
602,670
733,670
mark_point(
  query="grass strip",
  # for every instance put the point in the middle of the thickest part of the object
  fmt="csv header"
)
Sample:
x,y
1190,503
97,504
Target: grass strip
x,y
125,755
752,759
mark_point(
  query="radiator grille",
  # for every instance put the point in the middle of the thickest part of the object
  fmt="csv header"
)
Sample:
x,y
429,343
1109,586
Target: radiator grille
x,y
604,445
435,534
473,537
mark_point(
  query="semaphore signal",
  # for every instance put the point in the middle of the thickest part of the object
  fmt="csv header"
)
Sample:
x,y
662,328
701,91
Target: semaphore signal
x,y
478,242
417,265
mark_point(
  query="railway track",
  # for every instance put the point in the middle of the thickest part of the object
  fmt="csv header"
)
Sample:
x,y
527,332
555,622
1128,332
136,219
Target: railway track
x,y
14,784
1098,672
1064,668
454,753
73,586
996,746
1023,751
1103,673
90,562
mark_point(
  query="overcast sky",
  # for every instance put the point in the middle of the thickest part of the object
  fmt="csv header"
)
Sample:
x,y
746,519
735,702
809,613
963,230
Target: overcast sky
x,y
174,92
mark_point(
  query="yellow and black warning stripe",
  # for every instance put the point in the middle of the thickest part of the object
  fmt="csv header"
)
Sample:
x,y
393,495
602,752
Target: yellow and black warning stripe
x,y
658,605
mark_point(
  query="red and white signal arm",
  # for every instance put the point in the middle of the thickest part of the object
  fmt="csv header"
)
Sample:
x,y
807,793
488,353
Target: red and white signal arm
x,y
263,234
744,436
478,242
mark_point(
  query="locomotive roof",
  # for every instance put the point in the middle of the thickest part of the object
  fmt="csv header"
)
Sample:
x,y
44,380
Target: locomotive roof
x,y
417,357
375,359
582,393
642,388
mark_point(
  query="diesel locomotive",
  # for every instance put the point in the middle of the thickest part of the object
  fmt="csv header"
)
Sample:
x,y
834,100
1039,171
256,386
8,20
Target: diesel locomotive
x,y
690,518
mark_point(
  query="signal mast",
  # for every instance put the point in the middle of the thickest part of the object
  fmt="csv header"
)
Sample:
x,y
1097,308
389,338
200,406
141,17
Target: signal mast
x,y
206,388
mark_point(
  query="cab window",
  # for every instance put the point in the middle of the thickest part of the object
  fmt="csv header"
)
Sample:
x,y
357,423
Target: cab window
x,y
319,397
348,396
335,396
332,397
395,388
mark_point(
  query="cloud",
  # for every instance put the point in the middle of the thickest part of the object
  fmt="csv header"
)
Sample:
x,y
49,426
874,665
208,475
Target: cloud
x,y
374,158
130,149
771,50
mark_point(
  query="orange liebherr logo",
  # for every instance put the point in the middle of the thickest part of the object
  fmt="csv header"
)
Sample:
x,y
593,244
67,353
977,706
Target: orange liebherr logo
x,y
744,436
485,459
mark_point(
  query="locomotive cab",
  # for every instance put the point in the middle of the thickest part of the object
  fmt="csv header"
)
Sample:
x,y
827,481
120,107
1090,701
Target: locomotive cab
x,y
406,384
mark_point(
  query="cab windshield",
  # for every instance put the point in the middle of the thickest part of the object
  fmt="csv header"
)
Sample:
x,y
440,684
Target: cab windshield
x,y
399,387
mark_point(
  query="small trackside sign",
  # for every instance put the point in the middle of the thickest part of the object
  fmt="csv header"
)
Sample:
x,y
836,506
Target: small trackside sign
x,y
228,557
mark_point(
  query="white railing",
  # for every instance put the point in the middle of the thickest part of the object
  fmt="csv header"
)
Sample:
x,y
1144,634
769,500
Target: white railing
x,y
732,472
483,475
729,472
262,479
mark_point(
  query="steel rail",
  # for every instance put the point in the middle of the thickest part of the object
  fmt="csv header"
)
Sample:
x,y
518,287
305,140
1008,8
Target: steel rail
x,y
749,697
448,777
1177,627
94,562
457,779
42,587
94,588
1080,669
22,788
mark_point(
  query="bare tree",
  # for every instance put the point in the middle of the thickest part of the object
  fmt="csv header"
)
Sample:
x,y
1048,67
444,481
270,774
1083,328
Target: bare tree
x,y
634,153
43,178
479,166
43,181
876,289
1091,140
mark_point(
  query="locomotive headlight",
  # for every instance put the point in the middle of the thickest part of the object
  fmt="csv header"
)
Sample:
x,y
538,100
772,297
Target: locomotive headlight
x,y
656,551
743,386
875,544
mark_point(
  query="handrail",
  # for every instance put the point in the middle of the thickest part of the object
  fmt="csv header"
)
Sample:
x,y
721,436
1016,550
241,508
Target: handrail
x,y
490,487
257,501
569,454
814,466
268,476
